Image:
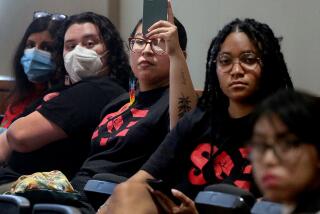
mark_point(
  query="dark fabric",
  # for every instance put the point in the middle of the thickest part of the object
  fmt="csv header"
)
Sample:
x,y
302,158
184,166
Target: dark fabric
x,y
309,202
76,110
125,139
199,152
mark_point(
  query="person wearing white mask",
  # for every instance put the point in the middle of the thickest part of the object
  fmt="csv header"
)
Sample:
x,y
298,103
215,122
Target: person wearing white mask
x,y
82,62
55,135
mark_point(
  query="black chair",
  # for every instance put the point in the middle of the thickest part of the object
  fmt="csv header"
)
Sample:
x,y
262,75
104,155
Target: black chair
x,y
224,199
99,189
13,204
266,207
54,209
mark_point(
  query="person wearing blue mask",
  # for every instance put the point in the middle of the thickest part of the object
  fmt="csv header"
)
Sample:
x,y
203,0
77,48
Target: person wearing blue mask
x,y
37,65
33,66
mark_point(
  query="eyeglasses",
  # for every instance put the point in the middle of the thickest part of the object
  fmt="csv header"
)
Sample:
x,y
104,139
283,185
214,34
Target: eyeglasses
x,y
137,45
284,149
55,16
248,61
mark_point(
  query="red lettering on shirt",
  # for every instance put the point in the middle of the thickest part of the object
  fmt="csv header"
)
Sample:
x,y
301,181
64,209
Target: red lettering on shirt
x,y
199,160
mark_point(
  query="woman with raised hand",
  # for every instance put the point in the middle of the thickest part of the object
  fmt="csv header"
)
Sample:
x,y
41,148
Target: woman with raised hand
x,y
132,128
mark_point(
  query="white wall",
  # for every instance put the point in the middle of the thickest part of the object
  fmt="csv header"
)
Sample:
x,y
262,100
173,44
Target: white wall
x,y
16,15
295,20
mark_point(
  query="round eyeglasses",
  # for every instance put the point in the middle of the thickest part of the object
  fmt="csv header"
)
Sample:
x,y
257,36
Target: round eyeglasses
x,y
248,61
284,150
137,45
54,16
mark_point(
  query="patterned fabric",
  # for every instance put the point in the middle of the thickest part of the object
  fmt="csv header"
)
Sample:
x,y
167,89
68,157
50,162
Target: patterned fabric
x,y
54,180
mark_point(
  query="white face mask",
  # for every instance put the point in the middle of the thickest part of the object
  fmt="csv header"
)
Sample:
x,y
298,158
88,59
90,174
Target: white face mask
x,y
81,63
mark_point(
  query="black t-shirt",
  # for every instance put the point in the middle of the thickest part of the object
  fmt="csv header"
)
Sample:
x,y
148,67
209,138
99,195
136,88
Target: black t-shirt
x,y
190,159
125,139
77,111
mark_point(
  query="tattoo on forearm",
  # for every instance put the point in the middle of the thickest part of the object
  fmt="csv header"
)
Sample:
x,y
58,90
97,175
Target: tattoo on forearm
x,y
184,105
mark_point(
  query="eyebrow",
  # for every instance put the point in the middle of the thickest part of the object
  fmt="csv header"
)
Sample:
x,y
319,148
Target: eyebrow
x,y
138,34
87,36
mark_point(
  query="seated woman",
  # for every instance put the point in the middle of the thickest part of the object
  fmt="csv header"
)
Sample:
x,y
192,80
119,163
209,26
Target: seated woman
x,y
286,151
132,129
55,135
33,65
208,145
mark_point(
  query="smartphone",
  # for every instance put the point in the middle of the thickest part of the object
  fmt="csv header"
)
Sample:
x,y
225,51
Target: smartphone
x,y
153,11
163,187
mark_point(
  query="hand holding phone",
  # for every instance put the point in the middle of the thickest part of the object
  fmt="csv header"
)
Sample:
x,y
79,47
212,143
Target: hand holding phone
x,y
163,187
153,11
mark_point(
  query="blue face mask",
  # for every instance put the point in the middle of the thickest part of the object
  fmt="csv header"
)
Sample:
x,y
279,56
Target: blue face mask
x,y
38,65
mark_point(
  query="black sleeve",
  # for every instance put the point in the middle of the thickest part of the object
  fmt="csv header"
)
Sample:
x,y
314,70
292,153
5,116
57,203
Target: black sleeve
x,y
172,150
78,107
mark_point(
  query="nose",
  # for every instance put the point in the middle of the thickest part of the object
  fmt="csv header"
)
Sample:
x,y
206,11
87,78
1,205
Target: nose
x,y
236,69
269,158
147,49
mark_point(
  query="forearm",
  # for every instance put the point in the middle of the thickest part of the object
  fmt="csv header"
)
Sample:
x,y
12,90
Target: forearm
x,y
183,97
33,132
5,149
140,176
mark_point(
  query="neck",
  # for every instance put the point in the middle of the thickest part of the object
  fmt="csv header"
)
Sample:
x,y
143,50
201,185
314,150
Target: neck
x,y
237,110
149,87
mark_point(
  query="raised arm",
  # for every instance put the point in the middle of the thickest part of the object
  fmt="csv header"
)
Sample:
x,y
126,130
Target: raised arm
x,y
183,97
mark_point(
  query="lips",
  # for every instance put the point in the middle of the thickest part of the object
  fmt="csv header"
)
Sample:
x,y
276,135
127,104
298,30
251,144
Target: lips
x,y
237,83
269,180
145,64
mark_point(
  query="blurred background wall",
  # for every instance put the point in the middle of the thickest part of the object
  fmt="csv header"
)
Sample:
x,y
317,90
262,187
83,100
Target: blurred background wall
x,y
296,21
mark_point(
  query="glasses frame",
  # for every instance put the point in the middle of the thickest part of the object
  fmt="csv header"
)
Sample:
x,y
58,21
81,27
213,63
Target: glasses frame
x,y
279,155
54,16
147,41
238,61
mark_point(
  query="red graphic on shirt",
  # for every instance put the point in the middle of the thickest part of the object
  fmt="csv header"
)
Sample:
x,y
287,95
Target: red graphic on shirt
x,y
222,165
113,124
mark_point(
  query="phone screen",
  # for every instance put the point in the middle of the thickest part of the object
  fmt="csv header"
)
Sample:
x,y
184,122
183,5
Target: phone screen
x,y
153,11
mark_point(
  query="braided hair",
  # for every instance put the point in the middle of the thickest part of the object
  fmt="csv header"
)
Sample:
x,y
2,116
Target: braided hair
x,y
274,74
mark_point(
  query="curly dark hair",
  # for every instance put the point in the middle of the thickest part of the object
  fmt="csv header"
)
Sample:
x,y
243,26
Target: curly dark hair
x,y
117,61
274,75
23,87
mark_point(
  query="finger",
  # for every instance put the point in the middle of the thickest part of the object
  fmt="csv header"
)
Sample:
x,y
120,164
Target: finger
x,y
155,33
165,199
161,23
182,197
170,12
